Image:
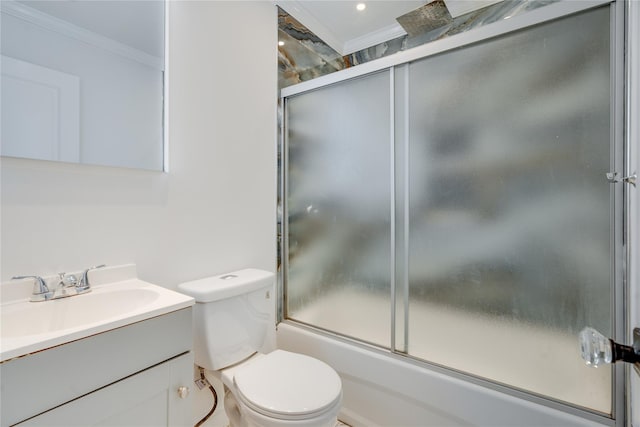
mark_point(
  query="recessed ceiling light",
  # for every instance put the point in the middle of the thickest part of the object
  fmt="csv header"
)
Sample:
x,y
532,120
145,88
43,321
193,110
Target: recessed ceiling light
x,y
280,43
361,6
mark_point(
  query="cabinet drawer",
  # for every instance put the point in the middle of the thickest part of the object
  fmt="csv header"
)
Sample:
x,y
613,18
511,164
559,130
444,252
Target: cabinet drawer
x,y
149,398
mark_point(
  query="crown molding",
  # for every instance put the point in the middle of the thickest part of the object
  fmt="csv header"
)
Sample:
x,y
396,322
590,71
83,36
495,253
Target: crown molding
x,y
68,29
373,38
297,9
461,7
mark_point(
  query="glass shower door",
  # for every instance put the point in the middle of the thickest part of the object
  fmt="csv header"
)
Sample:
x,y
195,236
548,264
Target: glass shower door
x,y
338,207
455,209
509,209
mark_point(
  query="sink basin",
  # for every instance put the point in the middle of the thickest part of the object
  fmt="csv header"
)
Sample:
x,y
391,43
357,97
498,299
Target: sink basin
x,y
29,318
27,327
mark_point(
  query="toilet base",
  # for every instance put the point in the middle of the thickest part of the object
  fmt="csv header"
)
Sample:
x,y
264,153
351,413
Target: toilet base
x,y
232,409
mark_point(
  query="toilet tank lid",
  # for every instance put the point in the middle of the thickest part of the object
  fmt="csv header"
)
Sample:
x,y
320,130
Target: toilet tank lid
x,y
227,285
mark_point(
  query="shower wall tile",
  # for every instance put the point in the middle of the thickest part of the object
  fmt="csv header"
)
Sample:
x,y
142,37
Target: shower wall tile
x,y
497,12
304,56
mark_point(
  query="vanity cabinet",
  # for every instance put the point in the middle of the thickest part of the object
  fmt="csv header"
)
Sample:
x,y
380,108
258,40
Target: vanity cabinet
x,y
129,376
149,398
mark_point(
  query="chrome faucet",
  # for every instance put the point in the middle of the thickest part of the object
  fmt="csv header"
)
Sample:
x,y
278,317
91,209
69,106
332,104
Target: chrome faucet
x,y
68,286
83,285
63,289
40,291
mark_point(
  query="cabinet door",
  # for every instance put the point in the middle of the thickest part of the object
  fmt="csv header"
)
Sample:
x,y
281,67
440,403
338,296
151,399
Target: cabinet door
x,y
149,398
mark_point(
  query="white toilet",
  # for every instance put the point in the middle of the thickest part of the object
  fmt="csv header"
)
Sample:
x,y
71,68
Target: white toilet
x,y
232,316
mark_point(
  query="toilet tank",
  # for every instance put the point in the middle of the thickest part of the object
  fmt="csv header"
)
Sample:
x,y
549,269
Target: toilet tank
x,y
231,317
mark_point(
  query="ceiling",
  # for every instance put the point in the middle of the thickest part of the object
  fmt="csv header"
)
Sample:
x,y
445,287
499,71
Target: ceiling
x,y
340,25
346,29
139,24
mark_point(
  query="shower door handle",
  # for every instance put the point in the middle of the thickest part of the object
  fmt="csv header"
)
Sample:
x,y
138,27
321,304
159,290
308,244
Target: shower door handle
x,y
612,177
597,349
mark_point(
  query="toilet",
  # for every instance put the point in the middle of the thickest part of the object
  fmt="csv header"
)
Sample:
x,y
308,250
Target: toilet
x,y
232,317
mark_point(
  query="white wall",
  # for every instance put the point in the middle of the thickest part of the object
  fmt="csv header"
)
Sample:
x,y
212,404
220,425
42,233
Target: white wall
x,y
213,212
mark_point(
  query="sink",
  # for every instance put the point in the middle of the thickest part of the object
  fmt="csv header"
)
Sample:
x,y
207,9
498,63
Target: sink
x,y
27,327
29,318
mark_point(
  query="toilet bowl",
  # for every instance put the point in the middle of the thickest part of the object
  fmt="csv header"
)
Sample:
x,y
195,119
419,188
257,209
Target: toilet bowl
x,y
282,388
232,316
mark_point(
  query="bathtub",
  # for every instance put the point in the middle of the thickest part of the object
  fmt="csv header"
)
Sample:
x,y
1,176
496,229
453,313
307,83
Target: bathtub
x,y
383,389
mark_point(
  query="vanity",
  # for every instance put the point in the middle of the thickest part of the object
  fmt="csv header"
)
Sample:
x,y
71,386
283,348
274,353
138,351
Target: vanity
x,y
118,355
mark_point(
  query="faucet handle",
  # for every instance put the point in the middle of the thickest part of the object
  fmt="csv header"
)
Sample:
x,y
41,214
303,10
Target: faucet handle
x,y
84,285
39,285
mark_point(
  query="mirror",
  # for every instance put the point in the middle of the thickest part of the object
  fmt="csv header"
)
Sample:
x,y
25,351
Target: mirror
x,y
83,81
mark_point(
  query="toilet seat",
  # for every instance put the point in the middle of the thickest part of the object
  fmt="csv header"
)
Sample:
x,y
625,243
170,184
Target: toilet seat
x,y
288,386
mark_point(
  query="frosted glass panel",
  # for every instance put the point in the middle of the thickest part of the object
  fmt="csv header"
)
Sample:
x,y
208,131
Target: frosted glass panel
x,y
338,208
510,209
